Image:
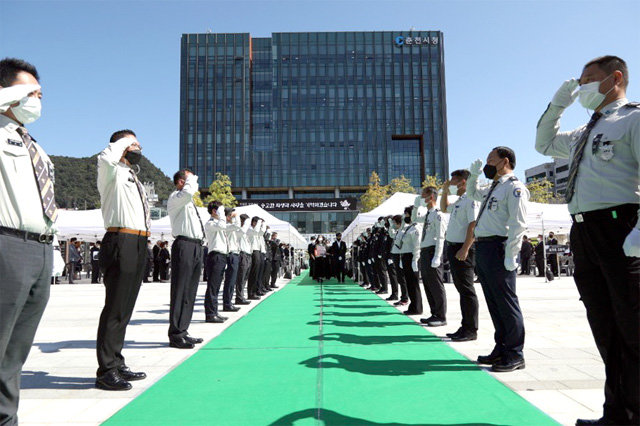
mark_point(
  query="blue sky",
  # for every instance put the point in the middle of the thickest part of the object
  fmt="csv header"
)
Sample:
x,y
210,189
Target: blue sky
x,y
107,65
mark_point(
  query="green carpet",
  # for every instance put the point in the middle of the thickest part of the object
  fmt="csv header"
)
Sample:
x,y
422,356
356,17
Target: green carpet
x,y
334,354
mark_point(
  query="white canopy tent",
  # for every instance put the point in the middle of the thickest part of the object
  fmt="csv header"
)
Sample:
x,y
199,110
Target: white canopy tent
x,y
541,218
86,225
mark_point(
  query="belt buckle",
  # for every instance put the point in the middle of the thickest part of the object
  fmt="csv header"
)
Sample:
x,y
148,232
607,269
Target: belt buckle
x,y
45,238
579,218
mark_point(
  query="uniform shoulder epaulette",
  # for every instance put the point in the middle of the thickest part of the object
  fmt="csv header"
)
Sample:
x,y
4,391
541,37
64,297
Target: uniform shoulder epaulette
x,y
632,105
513,179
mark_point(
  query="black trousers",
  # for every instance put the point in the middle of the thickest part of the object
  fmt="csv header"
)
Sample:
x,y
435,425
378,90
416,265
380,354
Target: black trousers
x,y
540,266
339,269
254,273
275,268
371,273
413,285
266,274
609,286
311,267
393,278
525,265
217,264
25,271
186,264
463,274
363,273
401,282
230,277
552,261
243,275
122,260
499,287
156,270
380,269
433,284
95,271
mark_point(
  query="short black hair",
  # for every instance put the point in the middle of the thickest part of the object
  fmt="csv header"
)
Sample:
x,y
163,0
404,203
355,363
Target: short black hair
x,y
408,210
431,190
255,220
121,134
463,173
213,206
180,174
11,67
397,219
228,210
243,218
339,234
609,64
506,152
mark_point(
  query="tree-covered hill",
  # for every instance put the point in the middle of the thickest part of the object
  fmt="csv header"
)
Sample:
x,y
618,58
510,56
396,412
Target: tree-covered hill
x,y
76,181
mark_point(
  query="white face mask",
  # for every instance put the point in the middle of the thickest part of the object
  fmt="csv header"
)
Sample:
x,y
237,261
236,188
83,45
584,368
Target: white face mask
x,y
589,94
453,189
28,110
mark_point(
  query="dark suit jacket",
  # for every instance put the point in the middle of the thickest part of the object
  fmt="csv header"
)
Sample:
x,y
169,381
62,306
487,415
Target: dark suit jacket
x,y
526,250
339,249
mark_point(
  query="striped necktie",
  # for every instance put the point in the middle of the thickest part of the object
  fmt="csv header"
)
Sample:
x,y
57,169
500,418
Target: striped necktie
x,y
41,172
577,156
486,200
425,227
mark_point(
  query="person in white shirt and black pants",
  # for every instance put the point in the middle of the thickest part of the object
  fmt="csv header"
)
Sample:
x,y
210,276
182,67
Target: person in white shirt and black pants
x,y
186,258
123,255
217,262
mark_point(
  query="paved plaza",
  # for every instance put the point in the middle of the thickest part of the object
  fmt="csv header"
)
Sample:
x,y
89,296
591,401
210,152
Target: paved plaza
x,y
564,375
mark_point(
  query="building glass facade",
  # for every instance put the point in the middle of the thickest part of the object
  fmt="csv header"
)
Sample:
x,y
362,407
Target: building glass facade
x,y
312,114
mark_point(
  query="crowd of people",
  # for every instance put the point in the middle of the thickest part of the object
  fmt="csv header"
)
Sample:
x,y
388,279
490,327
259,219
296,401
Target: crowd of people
x,y
483,230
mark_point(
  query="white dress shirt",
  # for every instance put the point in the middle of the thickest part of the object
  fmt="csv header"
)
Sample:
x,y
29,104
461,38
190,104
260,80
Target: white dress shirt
x,y
245,243
234,235
182,211
216,235
461,213
122,203
20,202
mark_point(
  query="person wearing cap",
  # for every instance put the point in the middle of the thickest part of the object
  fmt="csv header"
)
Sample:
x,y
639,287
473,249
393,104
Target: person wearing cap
x,y
27,227
603,196
234,235
499,228
186,258
123,255
245,260
408,243
215,231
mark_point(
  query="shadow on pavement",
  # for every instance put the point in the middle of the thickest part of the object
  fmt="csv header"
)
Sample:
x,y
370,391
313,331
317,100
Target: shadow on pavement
x,y
392,367
42,380
377,324
374,340
330,417
52,347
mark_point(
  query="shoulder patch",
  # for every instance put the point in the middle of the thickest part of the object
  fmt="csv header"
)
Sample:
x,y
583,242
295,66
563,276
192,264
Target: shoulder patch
x,y
517,192
632,105
513,179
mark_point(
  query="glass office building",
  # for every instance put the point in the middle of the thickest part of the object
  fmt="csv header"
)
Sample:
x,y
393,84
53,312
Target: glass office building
x,y
311,115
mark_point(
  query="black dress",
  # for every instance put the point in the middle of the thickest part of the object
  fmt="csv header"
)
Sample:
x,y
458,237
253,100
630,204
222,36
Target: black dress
x,y
321,263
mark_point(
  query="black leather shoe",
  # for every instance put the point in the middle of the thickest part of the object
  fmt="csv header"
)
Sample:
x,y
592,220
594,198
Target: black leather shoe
x,y
267,289
260,294
490,359
464,337
112,381
392,297
253,298
129,375
194,340
600,421
505,366
427,320
401,303
230,309
215,319
274,286
242,302
181,343
411,313
382,291
435,323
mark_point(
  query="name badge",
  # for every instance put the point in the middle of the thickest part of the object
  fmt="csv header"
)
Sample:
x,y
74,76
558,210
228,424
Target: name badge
x,y
14,142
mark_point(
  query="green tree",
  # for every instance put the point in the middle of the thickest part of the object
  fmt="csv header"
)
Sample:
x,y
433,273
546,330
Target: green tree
x,y
432,180
400,184
220,190
375,194
197,199
541,191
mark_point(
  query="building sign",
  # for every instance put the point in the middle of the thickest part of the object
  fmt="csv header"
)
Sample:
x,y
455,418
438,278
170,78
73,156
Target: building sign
x,y
304,204
416,41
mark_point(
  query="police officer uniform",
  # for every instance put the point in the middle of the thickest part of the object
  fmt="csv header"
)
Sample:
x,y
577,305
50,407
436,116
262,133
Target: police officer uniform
x,y
499,230
462,213
434,227
218,251
186,261
26,234
123,257
379,262
604,208
409,249
396,236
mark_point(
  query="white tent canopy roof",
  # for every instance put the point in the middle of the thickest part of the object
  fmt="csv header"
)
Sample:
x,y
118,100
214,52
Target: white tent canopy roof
x,y
554,216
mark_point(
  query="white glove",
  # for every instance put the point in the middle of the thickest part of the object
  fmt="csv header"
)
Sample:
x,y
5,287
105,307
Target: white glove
x,y
369,261
414,265
401,264
566,94
435,263
390,262
58,263
510,264
418,201
12,94
379,257
631,244
339,257
220,212
476,167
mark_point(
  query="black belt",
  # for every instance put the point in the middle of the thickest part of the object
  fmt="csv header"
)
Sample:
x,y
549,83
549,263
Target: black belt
x,y
624,210
26,235
491,238
191,240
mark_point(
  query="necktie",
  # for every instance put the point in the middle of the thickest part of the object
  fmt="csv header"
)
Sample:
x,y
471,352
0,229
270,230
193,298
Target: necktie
x,y
143,198
486,200
577,156
425,226
199,220
41,172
